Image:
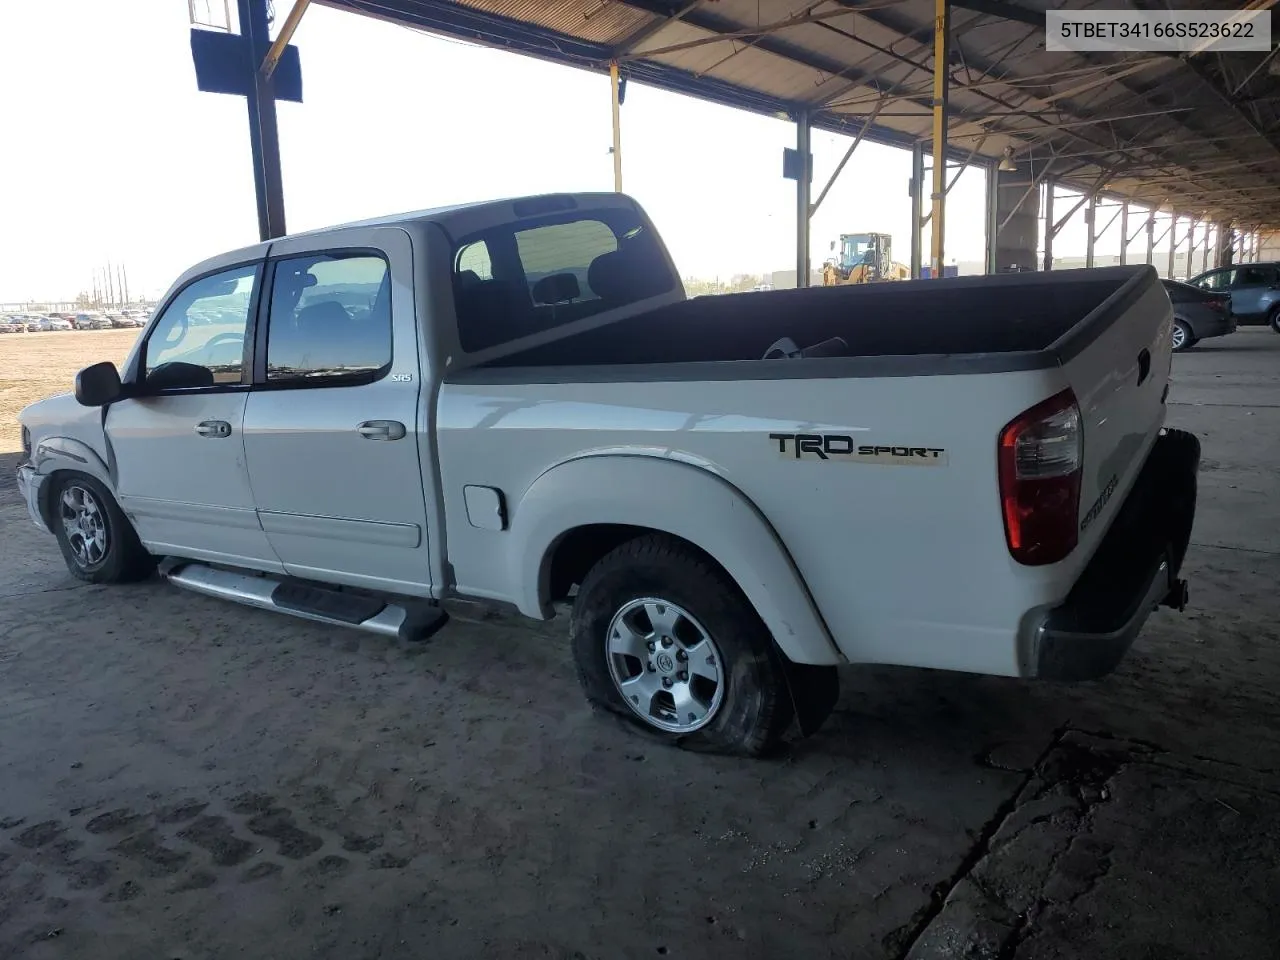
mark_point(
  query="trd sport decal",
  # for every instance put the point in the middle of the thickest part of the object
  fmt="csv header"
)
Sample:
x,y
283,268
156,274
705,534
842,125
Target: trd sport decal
x,y
840,447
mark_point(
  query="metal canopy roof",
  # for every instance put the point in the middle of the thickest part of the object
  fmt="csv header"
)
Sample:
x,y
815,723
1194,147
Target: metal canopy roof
x,y
1196,134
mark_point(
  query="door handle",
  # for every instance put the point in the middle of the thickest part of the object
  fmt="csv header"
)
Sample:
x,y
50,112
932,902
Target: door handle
x,y
1144,364
213,428
381,429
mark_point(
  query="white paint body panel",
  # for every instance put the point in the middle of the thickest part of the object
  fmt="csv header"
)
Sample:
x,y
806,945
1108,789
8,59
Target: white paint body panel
x,y
863,537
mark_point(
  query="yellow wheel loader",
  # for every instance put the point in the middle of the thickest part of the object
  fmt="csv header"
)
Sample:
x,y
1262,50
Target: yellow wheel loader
x,y
863,258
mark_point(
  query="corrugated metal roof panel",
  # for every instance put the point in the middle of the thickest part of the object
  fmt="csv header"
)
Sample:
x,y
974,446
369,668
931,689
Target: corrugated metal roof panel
x,y
834,63
601,21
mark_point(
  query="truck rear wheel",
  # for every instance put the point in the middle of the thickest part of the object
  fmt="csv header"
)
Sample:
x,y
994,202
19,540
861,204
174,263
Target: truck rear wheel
x,y
663,637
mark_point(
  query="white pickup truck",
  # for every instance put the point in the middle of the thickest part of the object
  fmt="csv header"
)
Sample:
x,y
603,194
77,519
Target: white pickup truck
x,y
516,402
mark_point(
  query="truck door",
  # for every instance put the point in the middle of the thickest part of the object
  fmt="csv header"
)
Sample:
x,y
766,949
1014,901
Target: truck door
x,y
177,440
331,424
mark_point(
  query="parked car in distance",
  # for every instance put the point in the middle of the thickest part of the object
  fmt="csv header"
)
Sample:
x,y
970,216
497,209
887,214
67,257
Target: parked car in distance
x,y
1198,314
56,323
729,496
1254,289
10,326
92,321
120,322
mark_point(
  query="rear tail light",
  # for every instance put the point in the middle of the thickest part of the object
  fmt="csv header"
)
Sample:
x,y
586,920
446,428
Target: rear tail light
x,y
1040,464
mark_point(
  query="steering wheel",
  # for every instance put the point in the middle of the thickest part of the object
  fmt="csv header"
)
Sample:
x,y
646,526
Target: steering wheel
x,y
214,341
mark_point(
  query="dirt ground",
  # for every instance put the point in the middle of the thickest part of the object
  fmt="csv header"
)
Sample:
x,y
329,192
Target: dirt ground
x,y
185,778
35,365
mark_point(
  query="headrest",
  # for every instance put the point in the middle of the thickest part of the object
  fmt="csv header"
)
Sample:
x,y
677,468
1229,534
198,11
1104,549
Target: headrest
x,y
557,288
325,315
630,273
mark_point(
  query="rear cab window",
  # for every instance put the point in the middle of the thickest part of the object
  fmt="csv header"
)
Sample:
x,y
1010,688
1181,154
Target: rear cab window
x,y
525,277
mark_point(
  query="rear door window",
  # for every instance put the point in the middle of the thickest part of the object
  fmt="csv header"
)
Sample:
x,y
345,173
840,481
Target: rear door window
x,y
523,278
1252,277
329,320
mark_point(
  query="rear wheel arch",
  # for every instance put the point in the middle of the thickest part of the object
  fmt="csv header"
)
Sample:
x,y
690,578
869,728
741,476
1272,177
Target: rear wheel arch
x,y
579,511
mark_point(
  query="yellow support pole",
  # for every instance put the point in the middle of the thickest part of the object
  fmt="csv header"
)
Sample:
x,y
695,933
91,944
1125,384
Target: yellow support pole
x,y
941,32
286,34
617,129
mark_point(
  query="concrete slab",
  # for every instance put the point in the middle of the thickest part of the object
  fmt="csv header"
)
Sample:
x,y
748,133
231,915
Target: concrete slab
x,y
185,778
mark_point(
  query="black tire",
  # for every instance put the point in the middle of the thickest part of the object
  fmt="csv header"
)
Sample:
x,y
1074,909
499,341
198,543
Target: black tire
x,y
754,709
1274,319
1189,339
122,559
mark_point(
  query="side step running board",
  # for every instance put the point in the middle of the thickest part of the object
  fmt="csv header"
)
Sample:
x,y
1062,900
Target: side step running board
x,y
399,619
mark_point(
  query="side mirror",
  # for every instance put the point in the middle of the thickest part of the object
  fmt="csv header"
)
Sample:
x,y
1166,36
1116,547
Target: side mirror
x,y
98,385
177,375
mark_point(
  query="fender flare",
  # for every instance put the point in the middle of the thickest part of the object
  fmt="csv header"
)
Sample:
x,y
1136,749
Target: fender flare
x,y
676,498
57,454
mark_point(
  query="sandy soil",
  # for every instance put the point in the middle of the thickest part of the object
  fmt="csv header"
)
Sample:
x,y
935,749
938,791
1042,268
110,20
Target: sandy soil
x,y
36,365
184,778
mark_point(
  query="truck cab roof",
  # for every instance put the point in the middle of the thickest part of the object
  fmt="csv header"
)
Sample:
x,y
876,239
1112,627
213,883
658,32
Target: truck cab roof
x,y
456,220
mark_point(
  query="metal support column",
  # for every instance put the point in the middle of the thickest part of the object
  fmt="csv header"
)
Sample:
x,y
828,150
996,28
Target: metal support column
x,y
1151,235
1191,245
617,127
1050,188
993,226
917,208
941,83
1090,226
848,155
802,200
264,137
1124,233
1173,245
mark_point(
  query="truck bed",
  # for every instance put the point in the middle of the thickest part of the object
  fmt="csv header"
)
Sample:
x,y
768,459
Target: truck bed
x,y
1012,313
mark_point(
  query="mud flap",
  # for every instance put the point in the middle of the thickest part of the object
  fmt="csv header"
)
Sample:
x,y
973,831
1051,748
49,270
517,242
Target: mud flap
x,y
814,691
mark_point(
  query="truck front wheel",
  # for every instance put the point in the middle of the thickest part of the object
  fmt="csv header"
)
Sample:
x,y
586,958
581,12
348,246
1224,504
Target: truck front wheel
x,y
663,637
97,541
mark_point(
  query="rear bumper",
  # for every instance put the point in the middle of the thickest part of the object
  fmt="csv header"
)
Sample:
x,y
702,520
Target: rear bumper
x,y
1134,570
1219,327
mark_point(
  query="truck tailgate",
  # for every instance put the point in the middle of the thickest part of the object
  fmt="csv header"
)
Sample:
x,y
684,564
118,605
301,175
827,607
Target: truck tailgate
x,y
1117,363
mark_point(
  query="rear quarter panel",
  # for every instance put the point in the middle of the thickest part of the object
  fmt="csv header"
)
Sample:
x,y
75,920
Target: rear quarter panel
x,y
905,558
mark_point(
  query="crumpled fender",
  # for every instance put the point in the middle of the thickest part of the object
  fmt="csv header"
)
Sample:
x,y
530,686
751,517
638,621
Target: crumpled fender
x,y
53,454
677,498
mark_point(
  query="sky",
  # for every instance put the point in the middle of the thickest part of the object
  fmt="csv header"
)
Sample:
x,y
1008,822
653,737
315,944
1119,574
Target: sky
x,y
113,155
